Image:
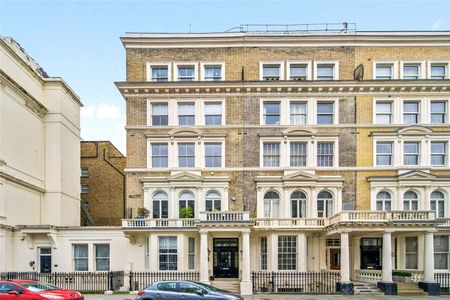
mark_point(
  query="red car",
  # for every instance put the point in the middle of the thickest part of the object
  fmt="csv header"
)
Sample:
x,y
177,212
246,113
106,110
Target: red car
x,y
34,290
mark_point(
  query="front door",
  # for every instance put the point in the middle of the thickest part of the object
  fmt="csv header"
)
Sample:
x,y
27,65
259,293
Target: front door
x,y
335,259
45,260
226,258
371,252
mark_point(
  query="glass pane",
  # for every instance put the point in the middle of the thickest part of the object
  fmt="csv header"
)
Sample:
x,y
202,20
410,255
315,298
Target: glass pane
x,y
384,148
412,148
411,107
384,119
213,108
325,70
384,70
384,107
325,107
101,251
271,71
186,108
438,147
438,72
410,71
298,71
213,73
159,109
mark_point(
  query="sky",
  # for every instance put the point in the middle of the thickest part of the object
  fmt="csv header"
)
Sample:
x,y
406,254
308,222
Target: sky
x,y
79,40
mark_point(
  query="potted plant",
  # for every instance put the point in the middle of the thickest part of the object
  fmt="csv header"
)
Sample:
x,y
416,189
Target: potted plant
x,y
400,276
186,212
142,213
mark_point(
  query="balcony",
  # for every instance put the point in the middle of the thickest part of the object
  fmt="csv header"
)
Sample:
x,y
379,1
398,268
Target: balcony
x,y
381,217
315,223
225,216
158,223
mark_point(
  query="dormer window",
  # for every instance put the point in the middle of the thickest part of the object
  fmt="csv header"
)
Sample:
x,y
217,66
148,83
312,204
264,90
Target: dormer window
x,y
438,71
384,71
158,72
186,73
213,73
325,72
298,72
411,71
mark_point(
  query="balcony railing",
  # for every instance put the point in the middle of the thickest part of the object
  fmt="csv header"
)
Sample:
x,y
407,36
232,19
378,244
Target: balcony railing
x,y
158,223
224,216
290,223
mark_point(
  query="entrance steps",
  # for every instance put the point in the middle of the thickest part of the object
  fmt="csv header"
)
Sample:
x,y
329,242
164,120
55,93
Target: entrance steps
x,y
409,289
366,288
232,285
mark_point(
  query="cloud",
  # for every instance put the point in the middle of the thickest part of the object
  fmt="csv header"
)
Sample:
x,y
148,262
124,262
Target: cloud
x,y
101,111
437,24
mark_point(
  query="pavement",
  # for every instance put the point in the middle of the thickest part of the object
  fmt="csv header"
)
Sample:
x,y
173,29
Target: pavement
x,y
274,297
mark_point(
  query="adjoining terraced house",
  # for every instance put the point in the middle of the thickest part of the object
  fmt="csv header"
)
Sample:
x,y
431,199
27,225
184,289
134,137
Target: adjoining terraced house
x,y
262,151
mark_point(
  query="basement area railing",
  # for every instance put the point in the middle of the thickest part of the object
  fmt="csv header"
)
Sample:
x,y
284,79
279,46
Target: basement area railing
x,y
140,280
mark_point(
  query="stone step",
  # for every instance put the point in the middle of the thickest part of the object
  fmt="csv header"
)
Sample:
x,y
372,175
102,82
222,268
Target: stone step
x,y
409,289
233,286
366,288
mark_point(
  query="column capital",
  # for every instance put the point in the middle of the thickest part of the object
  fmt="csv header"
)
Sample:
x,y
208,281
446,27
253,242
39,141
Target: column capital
x,y
245,231
431,231
388,231
203,231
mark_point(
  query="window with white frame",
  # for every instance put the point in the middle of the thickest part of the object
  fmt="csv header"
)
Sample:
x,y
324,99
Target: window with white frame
x,y
186,72
271,154
102,257
159,73
411,253
213,202
213,155
84,172
186,113
160,205
160,114
80,257
298,113
325,112
287,252
410,201
84,189
168,253
213,72
186,155
298,205
411,71
213,113
438,112
298,71
263,253
160,155
384,201
324,204
437,203
186,204
325,71
411,153
438,70
441,252
191,253
384,71
271,204
271,71
271,113
384,153
438,153
383,112
325,154
411,112
298,154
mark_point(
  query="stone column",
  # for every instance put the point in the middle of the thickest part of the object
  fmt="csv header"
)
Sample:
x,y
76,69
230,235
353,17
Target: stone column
x,y
345,285
204,260
302,264
387,257
246,284
428,274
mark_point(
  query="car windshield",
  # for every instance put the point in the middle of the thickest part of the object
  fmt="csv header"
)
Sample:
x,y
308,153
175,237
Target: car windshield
x,y
210,287
35,286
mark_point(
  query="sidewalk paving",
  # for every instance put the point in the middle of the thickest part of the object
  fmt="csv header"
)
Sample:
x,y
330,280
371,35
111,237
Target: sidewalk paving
x,y
274,296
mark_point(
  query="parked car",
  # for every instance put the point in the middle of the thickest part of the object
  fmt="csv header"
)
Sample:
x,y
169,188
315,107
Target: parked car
x,y
34,290
184,290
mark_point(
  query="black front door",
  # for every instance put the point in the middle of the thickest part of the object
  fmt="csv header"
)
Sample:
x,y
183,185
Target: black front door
x,y
226,258
371,252
45,260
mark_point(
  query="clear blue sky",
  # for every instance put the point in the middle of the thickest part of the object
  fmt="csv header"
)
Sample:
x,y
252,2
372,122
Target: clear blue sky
x,y
79,40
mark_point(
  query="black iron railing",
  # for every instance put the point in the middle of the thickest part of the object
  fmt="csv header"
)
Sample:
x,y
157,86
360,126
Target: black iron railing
x,y
444,280
78,281
140,280
295,282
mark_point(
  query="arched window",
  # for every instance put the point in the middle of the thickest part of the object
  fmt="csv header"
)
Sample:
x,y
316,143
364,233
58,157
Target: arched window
x,y
324,204
410,201
384,201
438,203
271,204
186,200
160,205
298,205
213,201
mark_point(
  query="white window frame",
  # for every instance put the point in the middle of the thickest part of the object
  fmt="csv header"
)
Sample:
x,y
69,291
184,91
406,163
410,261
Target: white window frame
x,y
375,143
441,62
335,110
261,68
420,115
299,62
95,256
212,63
327,62
394,68
446,155
81,243
420,64
186,63
150,153
203,151
159,64
335,153
420,154
375,112
446,114
150,111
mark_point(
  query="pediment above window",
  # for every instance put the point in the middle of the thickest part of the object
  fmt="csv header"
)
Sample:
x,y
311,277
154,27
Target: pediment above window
x,y
413,176
185,132
299,131
414,130
185,176
300,175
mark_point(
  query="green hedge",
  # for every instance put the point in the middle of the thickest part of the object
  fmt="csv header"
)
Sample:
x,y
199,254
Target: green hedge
x,y
400,273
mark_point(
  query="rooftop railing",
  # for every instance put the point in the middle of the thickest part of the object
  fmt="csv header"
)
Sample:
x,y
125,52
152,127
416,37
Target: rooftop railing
x,y
295,28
